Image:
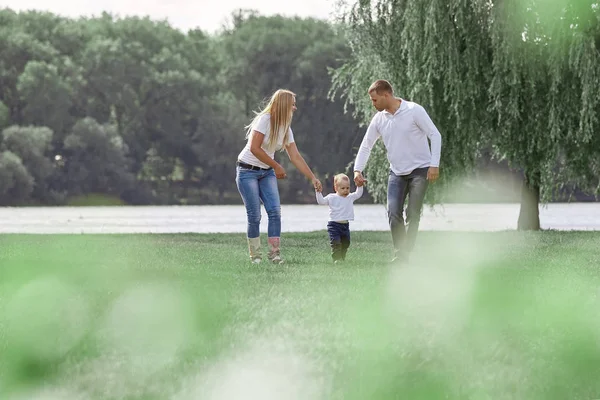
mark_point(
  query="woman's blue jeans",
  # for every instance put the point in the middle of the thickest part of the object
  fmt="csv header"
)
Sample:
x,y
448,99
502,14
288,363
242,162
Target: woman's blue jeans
x,y
256,187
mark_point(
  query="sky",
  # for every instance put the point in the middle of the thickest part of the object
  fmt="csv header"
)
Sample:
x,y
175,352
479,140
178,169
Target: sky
x,y
208,15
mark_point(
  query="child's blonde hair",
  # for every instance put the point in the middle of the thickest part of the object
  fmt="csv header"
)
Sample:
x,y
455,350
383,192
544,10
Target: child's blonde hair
x,y
340,177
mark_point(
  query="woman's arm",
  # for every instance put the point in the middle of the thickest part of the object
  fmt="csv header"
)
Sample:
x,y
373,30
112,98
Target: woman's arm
x,y
298,161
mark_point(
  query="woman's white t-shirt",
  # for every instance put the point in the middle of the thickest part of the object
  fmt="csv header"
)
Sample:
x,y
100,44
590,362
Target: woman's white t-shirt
x,y
263,125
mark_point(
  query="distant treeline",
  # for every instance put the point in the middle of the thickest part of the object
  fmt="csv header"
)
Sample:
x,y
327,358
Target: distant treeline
x,y
137,111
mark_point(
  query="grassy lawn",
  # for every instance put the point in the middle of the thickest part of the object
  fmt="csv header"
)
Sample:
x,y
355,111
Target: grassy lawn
x,y
507,315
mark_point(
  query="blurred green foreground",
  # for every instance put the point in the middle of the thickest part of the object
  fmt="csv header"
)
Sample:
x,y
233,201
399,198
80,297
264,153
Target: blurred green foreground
x,y
507,315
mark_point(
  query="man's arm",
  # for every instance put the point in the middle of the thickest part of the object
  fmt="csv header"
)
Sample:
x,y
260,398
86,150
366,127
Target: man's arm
x,y
427,126
365,151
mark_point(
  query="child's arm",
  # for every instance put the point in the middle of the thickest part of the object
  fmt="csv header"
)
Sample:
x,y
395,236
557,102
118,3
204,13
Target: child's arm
x,y
357,194
320,199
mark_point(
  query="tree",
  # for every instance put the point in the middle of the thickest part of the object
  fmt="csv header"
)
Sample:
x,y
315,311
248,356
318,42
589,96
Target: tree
x,y
543,92
3,115
435,53
33,146
262,54
220,139
175,102
95,160
491,74
16,183
46,96
18,48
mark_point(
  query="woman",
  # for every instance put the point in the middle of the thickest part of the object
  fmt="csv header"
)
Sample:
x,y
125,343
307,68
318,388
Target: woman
x,y
257,171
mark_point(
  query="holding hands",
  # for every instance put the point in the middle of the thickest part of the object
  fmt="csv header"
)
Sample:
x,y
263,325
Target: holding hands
x,y
281,174
317,184
359,179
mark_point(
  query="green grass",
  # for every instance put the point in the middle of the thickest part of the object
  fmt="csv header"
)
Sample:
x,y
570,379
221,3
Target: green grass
x,y
505,315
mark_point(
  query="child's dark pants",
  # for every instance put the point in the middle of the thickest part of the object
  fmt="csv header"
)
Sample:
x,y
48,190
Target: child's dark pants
x,y
339,238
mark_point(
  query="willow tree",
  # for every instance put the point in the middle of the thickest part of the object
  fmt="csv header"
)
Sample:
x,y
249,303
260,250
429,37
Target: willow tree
x,y
491,74
544,96
435,53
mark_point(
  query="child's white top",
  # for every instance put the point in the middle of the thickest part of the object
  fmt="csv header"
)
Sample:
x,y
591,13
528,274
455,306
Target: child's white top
x,y
263,125
340,208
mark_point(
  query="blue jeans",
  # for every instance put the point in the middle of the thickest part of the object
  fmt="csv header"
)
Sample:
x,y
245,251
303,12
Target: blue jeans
x,y
254,187
413,185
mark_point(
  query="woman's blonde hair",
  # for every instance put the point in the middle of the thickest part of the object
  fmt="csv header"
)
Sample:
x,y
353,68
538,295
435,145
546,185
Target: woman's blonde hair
x,y
280,109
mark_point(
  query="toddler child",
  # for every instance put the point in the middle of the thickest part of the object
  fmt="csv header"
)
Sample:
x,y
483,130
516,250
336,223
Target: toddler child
x,y
341,212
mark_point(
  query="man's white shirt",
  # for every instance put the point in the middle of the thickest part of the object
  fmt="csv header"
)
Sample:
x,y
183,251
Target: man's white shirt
x,y
404,135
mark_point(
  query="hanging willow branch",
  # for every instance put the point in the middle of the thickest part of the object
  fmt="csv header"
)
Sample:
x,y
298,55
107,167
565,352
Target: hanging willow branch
x,y
518,76
435,53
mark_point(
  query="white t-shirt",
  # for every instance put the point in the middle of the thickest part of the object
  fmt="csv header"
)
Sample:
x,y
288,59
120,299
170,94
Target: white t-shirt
x,y
340,208
263,125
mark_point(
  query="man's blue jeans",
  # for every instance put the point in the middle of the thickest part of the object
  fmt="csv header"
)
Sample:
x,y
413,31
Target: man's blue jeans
x,y
413,185
254,187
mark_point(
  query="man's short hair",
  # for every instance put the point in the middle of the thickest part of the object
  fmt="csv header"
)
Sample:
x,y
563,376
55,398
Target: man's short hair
x,y
381,86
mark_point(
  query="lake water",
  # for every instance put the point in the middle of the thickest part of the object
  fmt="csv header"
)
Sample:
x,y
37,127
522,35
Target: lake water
x,y
296,218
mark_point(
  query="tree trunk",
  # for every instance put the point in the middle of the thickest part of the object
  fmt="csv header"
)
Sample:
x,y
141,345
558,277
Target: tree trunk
x,y
529,214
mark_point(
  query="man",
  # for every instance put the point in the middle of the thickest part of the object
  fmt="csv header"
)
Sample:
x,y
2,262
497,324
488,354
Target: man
x,y
404,127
